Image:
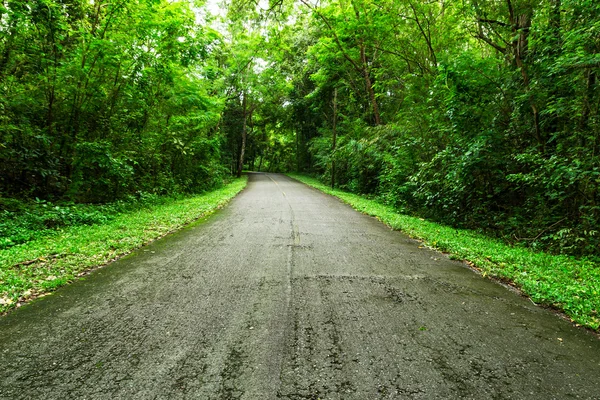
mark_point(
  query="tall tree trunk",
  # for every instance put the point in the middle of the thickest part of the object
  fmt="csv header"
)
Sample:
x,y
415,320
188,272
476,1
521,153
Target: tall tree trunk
x,y
521,25
297,150
588,98
244,135
555,49
334,138
369,86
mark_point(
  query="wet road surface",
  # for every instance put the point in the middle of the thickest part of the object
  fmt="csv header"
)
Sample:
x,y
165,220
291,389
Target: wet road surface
x,y
290,294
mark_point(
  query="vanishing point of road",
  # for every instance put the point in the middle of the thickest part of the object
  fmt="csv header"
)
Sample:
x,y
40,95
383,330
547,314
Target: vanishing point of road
x,y
287,293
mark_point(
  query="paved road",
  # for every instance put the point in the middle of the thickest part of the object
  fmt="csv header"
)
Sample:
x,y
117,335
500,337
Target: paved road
x,y
289,294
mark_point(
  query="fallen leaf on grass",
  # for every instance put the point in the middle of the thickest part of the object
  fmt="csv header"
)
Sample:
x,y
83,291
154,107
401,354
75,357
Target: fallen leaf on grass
x,y
5,301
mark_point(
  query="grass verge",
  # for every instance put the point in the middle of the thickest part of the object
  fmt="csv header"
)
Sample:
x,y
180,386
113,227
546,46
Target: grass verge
x,y
564,283
34,268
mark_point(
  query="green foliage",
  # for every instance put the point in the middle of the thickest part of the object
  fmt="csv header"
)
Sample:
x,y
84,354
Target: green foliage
x,y
489,117
565,283
99,100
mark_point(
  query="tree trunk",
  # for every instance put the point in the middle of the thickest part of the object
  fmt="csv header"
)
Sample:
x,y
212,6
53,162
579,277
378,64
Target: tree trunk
x,y
521,25
369,85
297,151
553,121
244,135
334,138
588,98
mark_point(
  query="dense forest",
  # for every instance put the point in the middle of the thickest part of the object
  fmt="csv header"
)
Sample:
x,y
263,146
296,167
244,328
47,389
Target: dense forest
x,y
479,114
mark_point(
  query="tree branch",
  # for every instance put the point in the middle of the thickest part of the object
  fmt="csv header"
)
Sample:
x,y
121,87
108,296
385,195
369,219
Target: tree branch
x,y
493,21
593,64
427,35
335,36
488,41
511,12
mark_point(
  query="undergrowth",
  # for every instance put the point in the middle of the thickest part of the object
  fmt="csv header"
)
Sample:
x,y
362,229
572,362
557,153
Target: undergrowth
x,y
24,221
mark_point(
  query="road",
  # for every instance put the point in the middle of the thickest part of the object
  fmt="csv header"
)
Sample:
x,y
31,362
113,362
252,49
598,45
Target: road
x,y
289,294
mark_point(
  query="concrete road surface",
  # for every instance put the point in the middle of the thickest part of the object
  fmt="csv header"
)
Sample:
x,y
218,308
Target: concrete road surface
x,y
290,294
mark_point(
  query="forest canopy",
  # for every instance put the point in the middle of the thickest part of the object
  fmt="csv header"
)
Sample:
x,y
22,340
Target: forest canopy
x,y
479,114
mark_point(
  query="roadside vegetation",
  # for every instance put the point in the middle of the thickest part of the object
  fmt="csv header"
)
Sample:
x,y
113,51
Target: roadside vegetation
x,y
565,283
48,245
480,115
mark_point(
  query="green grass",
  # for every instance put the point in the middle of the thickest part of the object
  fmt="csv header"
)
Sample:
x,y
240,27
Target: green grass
x,y
565,283
45,263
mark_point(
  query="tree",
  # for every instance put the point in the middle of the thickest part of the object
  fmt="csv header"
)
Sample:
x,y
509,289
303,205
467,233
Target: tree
x,y
105,98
